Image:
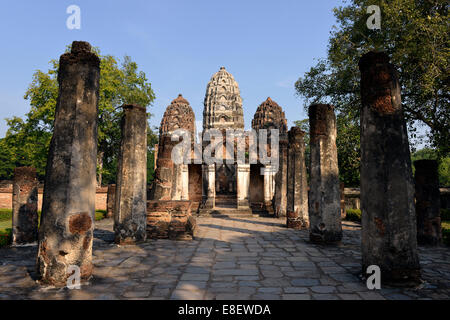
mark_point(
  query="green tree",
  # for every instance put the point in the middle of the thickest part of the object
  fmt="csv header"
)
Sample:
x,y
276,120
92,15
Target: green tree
x,y
415,35
27,141
348,149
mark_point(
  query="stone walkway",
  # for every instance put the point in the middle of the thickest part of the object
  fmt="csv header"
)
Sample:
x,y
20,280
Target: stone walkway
x,y
232,258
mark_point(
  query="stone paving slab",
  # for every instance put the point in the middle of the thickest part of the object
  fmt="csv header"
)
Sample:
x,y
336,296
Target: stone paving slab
x,y
231,258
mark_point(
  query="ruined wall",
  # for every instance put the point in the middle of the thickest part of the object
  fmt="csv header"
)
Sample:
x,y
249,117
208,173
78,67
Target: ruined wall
x,y
171,181
6,198
170,220
195,184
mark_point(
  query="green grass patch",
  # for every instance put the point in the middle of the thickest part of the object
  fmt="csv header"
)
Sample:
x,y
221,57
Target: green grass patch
x,y
445,232
5,232
5,238
353,215
6,224
445,214
100,214
5,214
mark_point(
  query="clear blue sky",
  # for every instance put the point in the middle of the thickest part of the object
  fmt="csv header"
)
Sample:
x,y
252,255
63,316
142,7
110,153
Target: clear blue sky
x,y
266,45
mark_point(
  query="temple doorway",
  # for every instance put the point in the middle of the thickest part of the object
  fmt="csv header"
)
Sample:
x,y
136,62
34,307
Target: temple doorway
x,y
195,185
256,192
226,186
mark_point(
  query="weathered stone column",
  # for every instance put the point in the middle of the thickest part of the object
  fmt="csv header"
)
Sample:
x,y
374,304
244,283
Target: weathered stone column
x,y
184,182
297,185
269,177
243,185
24,206
130,210
324,195
177,187
110,200
428,202
389,237
209,186
281,178
155,157
67,220
342,190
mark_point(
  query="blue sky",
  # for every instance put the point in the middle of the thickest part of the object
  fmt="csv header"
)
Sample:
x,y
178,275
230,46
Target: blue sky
x,y
266,45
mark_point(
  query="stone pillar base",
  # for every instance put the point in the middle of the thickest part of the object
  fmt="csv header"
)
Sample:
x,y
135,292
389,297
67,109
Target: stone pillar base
x,y
170,220
208,203
325,237
294,221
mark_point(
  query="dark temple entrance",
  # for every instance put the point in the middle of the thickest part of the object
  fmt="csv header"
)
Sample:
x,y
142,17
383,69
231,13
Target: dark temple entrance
x,y
226,187
256,192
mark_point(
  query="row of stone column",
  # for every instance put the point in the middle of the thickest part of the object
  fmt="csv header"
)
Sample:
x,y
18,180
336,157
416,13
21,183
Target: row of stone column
x,y
318,209
68,212
392,223
389,232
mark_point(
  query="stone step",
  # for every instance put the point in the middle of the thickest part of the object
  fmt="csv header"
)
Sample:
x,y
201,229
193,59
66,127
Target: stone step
x,y
226,212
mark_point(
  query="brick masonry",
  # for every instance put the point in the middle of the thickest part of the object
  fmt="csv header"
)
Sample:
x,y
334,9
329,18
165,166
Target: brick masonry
x,y
6,198
351,198
170,219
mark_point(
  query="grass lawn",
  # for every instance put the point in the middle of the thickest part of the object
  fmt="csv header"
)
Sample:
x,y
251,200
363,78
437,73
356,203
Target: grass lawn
x,y
5,226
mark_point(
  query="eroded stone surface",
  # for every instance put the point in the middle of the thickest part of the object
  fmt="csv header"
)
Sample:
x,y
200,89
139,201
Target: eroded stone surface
x,y
270,115
389,238
172,180
231,258
170,220
25,205
110,200
324,194
130,209
223,102
66,229
297,187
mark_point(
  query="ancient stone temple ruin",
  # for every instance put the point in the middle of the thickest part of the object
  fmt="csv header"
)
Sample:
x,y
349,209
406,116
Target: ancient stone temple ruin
x,y
229,186
269,115
177,187
261,172
324,195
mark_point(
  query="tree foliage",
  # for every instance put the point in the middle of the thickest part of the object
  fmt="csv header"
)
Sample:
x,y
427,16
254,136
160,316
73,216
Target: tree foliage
x,y
415,34
443,168
27,140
